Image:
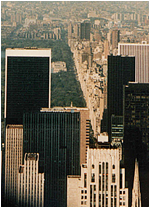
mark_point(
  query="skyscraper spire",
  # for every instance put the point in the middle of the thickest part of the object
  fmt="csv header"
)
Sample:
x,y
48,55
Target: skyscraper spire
x,y
136,194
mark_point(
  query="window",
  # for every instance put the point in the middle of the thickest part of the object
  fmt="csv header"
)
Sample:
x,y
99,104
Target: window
x,y
99,168
111,190
85,179
93,177
99,183
111,202
81,197
113,166
94,187
92,165
94,197
82,191
113,178
85,191
106,202
107,168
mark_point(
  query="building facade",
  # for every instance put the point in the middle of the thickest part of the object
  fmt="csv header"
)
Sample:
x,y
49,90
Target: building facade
x,y
85,30
136,135
117,129
102,181
30,183
27,82
13,159
141,53
136,109
61,137
120,71
115,38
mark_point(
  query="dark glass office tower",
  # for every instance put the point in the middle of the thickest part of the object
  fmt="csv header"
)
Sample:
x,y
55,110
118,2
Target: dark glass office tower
x,y
27,85
136,135
85,30
56,137
120,71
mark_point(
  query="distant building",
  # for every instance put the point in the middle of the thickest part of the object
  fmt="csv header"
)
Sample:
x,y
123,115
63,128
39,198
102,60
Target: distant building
x,y
115,38
102,181
136,194
61,136
141,53
58,66
13,159
27,82
30,182
85,30
120,70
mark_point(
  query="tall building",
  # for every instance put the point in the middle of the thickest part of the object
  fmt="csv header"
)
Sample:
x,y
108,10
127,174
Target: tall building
x,y
27,82
13,159
136,135
102,181
30,183
141,53
136,194
136,109
117,129
85,28
120,71
115,38
60,136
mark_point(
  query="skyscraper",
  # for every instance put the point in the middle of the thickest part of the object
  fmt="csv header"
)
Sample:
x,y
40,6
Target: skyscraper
x,y
85,30
136,135
141,53
30,182
13,159
120,71
101,183
27,82
60,136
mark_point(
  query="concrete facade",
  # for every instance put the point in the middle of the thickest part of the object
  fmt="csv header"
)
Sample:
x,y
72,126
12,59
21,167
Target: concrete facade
x,y
30,182
13,158
141,53
99,183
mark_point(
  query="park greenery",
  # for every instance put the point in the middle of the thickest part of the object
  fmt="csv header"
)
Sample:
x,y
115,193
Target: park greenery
x,y
65,88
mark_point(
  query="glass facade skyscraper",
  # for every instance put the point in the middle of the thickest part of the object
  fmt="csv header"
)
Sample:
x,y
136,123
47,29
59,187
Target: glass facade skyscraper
x,y
56,137
27,87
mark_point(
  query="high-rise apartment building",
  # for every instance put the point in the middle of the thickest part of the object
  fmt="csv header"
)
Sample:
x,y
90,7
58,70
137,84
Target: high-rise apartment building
x,y
141,53
85,28
60,136
115,38
30,182
13,159
27,82
102,181
120,71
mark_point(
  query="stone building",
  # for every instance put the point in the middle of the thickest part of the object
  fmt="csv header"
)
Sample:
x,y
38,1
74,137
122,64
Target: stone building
x,y
30,182
102,181
13,158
